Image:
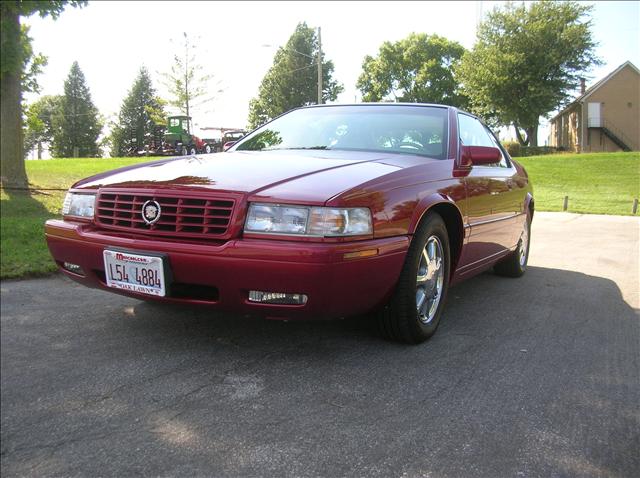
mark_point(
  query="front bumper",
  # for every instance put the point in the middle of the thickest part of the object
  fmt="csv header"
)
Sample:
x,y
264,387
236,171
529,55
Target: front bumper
x,y
335,286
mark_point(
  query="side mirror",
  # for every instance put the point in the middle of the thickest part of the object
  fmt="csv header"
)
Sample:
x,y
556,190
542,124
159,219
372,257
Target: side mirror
x,y
479,155
228,144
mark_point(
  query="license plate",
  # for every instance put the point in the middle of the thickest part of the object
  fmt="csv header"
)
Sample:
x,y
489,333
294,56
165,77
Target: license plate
x,y
135,272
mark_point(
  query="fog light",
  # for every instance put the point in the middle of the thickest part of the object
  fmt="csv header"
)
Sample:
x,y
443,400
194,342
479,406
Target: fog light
x,y
75,268
277,298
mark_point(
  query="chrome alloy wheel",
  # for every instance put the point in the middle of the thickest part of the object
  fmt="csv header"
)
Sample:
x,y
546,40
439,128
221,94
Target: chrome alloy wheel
x,y
524,246
429,280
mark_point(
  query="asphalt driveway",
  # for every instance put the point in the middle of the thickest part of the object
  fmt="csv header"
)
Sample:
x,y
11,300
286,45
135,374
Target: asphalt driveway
x,y
537,376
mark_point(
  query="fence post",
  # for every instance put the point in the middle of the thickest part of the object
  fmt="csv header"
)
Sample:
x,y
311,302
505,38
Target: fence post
x,y
635,206
565,203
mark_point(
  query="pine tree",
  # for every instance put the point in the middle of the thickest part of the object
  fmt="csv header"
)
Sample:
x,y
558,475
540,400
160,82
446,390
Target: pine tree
x,y
142,110
78,126
292,81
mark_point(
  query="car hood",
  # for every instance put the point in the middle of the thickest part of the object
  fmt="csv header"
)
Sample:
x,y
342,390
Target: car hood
x,y
306,175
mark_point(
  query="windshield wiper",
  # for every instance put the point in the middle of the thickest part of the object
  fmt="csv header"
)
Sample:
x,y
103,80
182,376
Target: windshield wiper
x,y
299,147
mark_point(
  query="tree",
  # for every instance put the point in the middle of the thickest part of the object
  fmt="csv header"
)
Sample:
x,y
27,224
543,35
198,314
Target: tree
x,y
142,110
526,62
32,63
292,80
77,125
17,65
418,68
39,122
188,85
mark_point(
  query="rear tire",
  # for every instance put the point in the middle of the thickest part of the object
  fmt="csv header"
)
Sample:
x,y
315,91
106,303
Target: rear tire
x,y
413,313
207,149
515,264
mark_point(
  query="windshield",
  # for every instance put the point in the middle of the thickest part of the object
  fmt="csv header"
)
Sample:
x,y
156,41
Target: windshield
x,y
386,128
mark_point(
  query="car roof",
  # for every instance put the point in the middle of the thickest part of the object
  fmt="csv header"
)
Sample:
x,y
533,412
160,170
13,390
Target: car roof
x,y
388,104
382,103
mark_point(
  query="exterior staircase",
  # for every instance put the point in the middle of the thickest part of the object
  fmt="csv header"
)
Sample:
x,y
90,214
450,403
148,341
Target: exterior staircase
x,y
613,133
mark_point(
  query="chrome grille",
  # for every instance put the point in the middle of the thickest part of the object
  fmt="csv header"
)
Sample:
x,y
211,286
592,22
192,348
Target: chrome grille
x,y
181,216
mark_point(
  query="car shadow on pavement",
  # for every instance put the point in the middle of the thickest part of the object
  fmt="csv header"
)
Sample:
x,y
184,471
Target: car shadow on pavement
x,y
535,376
478,306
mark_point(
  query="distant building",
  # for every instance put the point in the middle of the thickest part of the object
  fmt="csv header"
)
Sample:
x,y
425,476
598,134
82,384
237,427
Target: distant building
x,y
605,117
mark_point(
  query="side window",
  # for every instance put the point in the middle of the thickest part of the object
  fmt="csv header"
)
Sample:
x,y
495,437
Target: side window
x,y
503,160
473,133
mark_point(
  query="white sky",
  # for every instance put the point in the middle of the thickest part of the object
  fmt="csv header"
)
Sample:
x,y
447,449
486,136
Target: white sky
x,y
111,40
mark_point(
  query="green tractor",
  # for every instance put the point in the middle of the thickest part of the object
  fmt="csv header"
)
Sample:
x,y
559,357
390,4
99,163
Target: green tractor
x,y
179,140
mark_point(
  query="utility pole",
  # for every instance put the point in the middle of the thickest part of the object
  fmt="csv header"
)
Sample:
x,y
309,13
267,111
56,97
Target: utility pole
x,y
186,72
319,67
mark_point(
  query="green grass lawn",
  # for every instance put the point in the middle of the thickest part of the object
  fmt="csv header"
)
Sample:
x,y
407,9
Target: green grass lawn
x,y
23,251
595,183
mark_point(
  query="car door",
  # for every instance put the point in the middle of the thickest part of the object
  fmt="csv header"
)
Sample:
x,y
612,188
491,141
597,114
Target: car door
x,y
493,200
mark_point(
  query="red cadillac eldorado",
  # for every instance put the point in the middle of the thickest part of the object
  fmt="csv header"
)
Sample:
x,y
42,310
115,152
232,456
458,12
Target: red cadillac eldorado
x,y
324,212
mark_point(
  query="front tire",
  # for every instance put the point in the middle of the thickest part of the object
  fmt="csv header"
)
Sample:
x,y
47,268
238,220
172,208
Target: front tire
x,y
413,314
207,149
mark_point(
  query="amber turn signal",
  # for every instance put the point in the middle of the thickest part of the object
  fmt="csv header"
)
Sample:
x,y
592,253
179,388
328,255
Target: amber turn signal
x,y
360,254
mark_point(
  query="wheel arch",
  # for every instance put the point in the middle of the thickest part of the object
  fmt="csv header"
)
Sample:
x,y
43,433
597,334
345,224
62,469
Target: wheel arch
x,y
529,205
452,217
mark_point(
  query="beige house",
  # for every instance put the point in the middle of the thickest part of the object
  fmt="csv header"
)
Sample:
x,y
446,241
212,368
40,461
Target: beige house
x,y
605,117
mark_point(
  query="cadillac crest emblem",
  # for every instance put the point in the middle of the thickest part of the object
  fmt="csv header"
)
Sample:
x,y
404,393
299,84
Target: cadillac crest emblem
x,y
151,212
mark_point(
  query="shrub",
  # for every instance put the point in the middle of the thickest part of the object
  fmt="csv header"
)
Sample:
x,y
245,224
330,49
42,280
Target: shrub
x,y
515,149
512,147
537,150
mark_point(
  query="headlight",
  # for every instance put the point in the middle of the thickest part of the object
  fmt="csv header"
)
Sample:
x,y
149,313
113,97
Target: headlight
x,y
308,221
80,205
327,221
